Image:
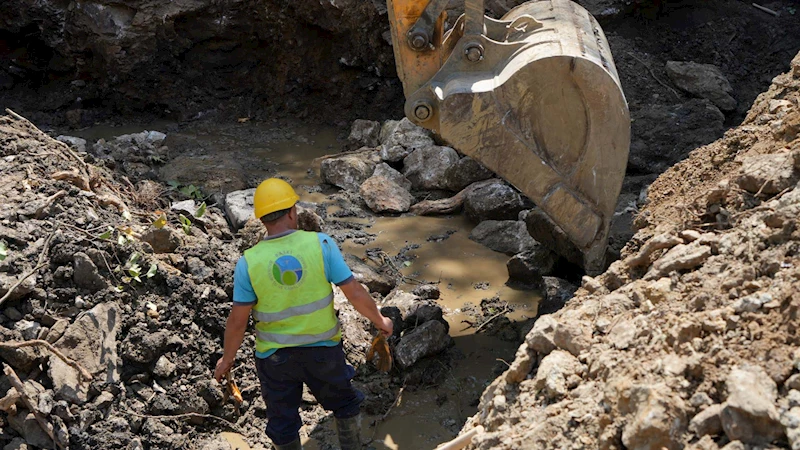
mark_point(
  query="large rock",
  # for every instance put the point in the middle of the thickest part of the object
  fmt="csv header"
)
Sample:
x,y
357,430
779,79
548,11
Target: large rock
x,y
425,167
662,135
768,174
558,372
371,278
707,421
403,138
528,267
92,340
85,273
365,133
573,336
465,172
504,236
386,171
427,339
382,194
750,414
163,240
541,338
658,419
27,426
702,80
350,170
239,207
544,231
494,201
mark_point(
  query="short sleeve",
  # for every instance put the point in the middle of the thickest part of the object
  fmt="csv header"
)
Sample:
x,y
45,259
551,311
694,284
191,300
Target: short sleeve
x,y
336,269
243,293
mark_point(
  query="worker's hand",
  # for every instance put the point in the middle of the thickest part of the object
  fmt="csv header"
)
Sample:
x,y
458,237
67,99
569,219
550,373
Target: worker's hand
x,y
386,327
223,366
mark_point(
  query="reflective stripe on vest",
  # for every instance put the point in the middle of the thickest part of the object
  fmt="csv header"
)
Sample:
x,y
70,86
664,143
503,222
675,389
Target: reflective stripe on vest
x,y
295,299
297,339
294,310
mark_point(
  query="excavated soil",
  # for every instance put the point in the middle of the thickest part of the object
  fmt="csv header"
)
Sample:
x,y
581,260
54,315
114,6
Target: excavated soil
x,y
691,339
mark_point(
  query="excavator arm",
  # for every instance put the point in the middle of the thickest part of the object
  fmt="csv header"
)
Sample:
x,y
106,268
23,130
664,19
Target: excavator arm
x,y
534,96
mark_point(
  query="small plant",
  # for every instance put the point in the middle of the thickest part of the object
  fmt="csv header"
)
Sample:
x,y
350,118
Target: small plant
x,y
200,210
190,190
134,269
186,224
3,251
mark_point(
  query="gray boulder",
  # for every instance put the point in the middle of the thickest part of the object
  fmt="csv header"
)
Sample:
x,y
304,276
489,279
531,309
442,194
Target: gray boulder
x,y
365,133
382,194
543,230
768,174
465,172
750,414
528,267
85,273
703,80
428,339
387,171
163,240
76,143
350,170
425,167
504,236
92,340
239,207
371,278
494,201
402,139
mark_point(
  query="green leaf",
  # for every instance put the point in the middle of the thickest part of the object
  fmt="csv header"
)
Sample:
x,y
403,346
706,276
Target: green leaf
x,y
107,234
151,271
118,288
134,258
173,184
201,210
3,251
406,263
186,224
121,240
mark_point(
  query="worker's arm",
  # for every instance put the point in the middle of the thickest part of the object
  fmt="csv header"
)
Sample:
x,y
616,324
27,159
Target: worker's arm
x,y
234,335
365,305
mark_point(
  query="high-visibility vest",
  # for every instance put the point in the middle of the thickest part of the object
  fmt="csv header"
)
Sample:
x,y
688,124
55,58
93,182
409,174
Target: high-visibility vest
x,y
295,299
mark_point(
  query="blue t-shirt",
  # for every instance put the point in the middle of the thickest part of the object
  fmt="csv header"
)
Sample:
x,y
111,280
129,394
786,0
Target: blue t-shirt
x,y
336,272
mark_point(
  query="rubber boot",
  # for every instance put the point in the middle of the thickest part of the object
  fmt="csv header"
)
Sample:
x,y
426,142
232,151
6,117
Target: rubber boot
x,y
349,431
294,445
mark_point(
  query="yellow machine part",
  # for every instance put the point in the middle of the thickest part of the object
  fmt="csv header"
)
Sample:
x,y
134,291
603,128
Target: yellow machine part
x,y
535,97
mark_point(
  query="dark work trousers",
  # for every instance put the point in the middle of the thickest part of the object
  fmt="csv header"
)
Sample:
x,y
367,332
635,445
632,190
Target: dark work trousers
x,y
325,372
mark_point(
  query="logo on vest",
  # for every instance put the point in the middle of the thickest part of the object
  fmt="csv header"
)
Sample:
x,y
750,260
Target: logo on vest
x,y
287,270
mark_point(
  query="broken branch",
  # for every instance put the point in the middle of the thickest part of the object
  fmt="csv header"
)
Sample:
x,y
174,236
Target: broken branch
x,y
38,266
20,387
40,212
38,342
228,423
765,9
447,205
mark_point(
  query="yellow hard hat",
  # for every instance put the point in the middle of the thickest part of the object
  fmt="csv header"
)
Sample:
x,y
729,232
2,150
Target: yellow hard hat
x,y
273,195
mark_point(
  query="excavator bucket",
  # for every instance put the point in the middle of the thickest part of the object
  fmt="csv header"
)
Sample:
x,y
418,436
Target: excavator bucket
x,y
534,96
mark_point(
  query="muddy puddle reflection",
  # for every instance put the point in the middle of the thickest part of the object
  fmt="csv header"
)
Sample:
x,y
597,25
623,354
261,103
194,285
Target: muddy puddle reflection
x,y
222,158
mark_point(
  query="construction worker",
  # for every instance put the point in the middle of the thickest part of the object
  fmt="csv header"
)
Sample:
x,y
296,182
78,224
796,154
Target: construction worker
x,y
285,282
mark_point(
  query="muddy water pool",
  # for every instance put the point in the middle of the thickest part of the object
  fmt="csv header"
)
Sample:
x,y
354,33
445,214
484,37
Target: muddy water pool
x,y
223,158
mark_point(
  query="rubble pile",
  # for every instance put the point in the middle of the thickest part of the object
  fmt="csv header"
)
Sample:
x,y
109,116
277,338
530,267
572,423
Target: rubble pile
x,y
690,340
118,287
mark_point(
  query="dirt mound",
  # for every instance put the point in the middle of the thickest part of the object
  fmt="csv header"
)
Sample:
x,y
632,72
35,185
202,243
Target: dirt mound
x,y
690,339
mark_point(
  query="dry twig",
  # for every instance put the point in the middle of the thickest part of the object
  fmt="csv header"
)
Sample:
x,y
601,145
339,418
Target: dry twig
x,y
38,266
20,387
653,74
184,416
386,414
40,212
38,342
447,205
